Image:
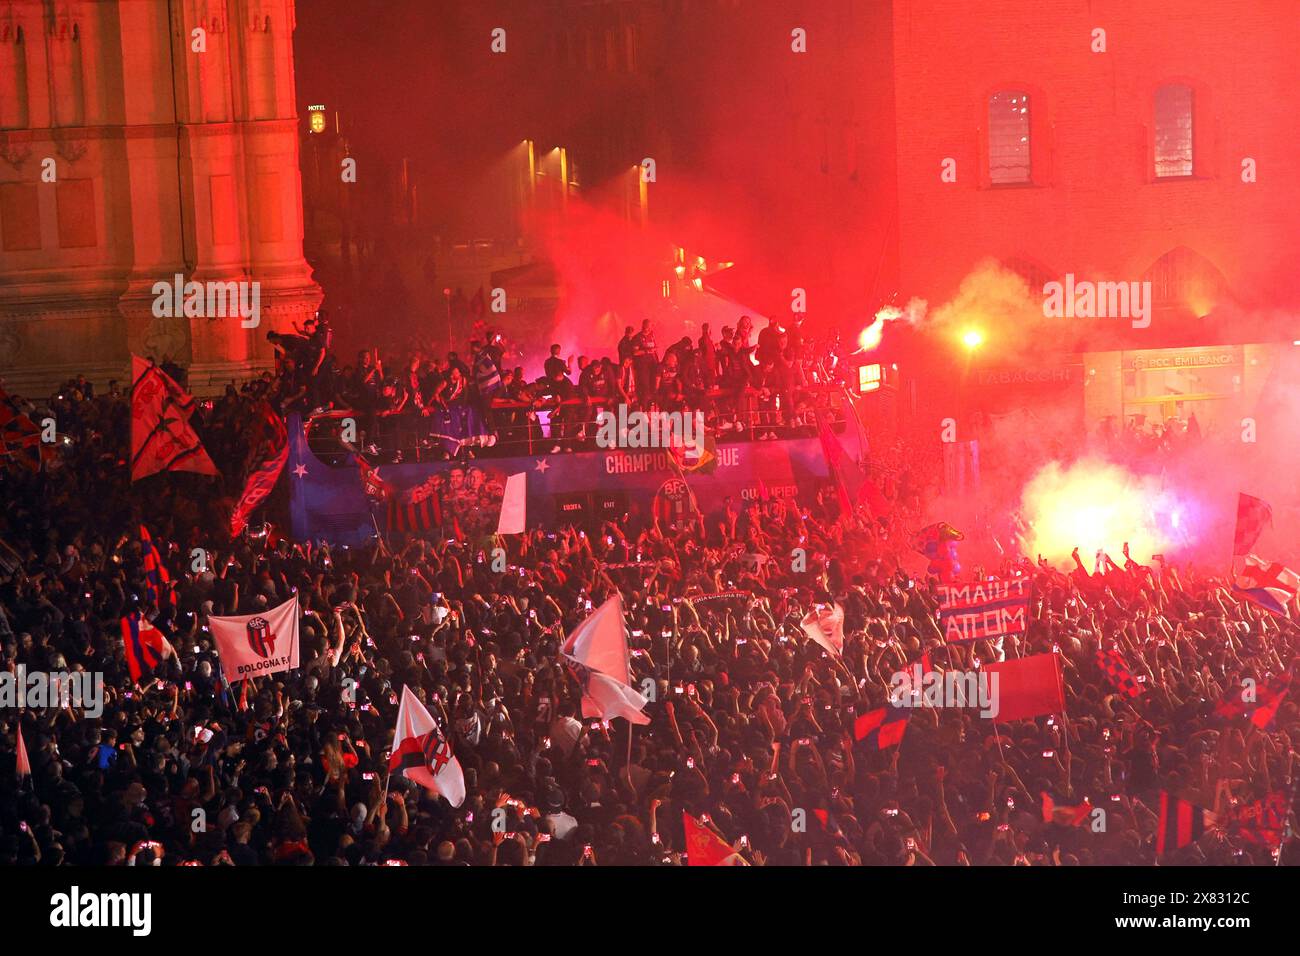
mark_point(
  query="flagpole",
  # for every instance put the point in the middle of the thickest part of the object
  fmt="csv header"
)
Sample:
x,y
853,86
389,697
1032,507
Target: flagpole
x,y
379,533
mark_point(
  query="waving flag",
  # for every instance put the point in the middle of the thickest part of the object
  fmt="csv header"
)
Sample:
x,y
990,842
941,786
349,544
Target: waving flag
x,y
852,486
1120,677
1067,816
1180,823
269,451
882,728
422,754
20,437
1267,584
1253,516
145,646
162,438
251,645
157,582
598,649
825,625
1266,696
1028,687
706,848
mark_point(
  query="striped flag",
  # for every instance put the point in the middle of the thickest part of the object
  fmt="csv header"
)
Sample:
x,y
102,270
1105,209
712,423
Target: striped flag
x,y
157,582
416,511
145,645
1181,823
881,728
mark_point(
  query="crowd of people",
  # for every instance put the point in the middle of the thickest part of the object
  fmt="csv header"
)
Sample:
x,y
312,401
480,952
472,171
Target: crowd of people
x,y
751,722
747,383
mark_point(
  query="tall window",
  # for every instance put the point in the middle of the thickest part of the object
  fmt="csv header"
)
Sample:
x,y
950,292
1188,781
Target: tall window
x,y
1173,146
1009,138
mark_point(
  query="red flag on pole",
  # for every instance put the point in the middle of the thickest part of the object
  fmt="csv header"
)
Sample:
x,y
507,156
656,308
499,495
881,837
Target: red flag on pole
x,y
270,450
1027,687
162,438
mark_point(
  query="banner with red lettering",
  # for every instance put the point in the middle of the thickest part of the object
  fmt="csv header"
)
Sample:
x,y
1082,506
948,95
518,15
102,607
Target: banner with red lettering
x,y
984,610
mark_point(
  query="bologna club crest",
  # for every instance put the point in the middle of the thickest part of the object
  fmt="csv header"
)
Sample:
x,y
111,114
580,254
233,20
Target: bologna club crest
x,y
437,752
260,637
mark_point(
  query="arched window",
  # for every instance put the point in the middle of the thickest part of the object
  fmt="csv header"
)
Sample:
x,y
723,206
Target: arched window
x,y
1035,274
1009,138
1183,278
1173,126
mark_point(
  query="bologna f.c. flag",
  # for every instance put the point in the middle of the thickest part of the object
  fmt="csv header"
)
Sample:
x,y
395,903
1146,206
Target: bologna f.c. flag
x,y
251,645
706,848
1180,823
1028,687
145,646
421,753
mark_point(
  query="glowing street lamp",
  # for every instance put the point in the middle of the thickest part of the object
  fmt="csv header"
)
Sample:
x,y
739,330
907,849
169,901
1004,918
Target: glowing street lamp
x,y
972,338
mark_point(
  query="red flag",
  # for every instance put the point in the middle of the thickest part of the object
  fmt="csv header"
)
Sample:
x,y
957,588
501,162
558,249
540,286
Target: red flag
x,y
1065,815
1253,515
850,482
270,450
1027,687
883,727
706,848
1180,823
162,438
1263,715
24,764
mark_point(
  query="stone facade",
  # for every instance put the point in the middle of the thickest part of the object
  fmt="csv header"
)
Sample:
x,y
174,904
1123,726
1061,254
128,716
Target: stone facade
x,y
141,139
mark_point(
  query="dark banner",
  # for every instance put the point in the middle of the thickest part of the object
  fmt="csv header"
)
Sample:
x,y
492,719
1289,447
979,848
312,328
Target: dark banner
x,y
328,501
